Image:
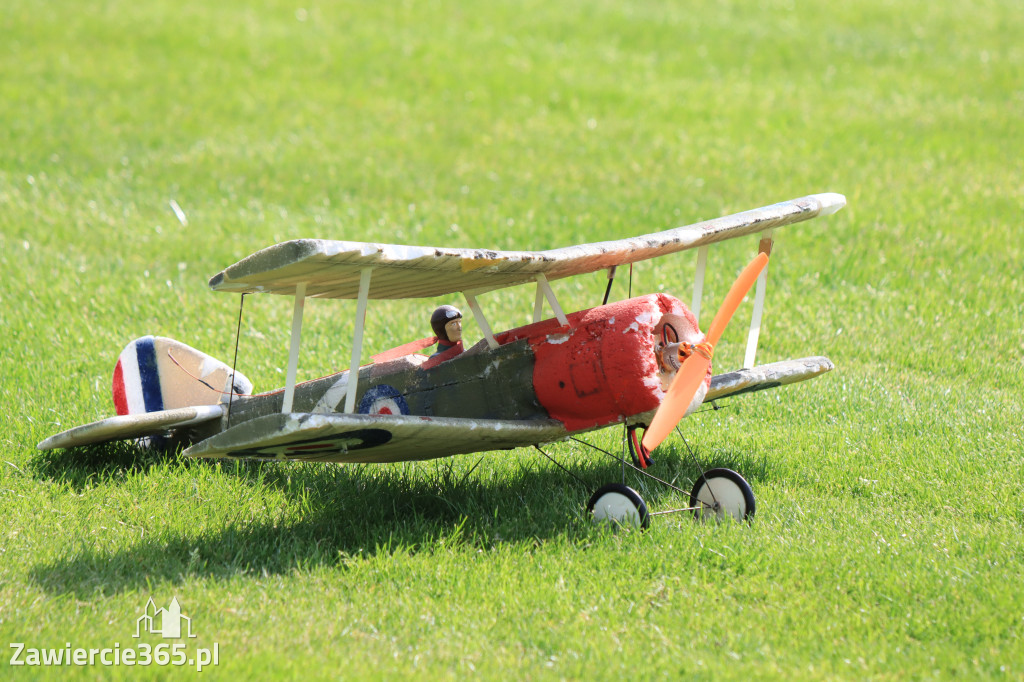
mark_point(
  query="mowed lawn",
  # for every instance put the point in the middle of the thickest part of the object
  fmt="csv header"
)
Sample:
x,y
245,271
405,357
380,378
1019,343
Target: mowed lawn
x,y
888,538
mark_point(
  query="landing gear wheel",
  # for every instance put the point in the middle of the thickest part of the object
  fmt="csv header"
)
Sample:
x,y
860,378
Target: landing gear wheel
x,y
719,492
620,505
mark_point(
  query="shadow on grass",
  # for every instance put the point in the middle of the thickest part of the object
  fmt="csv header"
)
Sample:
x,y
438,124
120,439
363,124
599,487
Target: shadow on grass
x,y
78,467
340,513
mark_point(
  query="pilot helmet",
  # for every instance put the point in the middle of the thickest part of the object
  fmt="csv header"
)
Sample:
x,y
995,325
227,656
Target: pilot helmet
x,y
442,316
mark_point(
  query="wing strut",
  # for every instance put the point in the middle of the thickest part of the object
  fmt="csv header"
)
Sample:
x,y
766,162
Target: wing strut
x,y
764,247
698,280
293,349
481,321
357,340
542,285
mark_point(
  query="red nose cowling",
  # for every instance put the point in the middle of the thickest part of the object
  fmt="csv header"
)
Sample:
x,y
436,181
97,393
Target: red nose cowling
x,y
602,367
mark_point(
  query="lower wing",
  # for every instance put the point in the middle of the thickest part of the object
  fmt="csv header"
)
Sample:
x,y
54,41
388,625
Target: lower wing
x,y
772,375
371,438
760,378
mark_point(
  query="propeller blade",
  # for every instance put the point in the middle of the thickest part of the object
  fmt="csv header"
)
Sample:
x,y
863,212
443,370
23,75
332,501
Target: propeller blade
x,y
677,400
735,296
695,368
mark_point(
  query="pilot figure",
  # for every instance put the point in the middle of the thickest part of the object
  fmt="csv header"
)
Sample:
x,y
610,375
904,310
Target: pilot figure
x,y
447,325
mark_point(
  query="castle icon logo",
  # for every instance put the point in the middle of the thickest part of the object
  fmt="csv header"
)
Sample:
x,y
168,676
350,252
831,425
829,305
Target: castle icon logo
x,y
166,622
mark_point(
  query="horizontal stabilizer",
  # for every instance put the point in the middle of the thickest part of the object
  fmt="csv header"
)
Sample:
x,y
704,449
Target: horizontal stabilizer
x,y
371,438
128,426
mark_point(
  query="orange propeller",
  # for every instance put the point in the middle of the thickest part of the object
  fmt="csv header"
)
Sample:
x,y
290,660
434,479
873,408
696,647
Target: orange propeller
x,y
695,366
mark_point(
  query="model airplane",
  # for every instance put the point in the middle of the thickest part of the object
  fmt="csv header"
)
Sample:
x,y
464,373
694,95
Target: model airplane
x,y
641,362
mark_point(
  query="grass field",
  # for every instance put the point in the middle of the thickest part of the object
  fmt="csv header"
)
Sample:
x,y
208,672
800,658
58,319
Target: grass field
x,y
888,540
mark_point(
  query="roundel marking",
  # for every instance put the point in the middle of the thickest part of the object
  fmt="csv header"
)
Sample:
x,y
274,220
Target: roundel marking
x,y
383,399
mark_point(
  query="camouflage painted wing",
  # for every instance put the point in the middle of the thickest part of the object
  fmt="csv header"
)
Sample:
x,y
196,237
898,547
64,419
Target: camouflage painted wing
x,y
371,438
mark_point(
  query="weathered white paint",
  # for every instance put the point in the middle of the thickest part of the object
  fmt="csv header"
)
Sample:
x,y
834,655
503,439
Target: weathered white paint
x,y
331,398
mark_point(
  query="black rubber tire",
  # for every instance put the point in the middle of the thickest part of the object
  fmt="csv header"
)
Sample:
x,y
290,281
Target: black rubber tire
x,y
620,505
727,488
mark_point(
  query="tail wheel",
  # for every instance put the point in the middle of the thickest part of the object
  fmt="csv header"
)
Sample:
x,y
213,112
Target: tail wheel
x,y
722,491
620,505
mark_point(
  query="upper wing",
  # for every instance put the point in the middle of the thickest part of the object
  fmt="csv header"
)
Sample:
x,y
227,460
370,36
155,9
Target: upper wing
x,y
371,438
331,269
129,426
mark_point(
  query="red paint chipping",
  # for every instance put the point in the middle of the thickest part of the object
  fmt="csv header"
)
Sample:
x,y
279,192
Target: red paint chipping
x,y
120,399
602,366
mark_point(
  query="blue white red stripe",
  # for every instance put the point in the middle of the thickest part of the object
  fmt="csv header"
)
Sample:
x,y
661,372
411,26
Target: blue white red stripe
x,y
136,384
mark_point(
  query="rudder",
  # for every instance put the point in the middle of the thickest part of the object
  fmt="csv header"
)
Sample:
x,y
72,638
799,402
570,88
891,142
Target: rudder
x,y
154,373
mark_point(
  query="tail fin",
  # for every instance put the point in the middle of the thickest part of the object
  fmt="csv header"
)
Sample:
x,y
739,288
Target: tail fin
x,y
155,373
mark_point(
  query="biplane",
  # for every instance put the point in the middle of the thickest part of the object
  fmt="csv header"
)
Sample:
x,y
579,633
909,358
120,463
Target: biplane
x,y
642,363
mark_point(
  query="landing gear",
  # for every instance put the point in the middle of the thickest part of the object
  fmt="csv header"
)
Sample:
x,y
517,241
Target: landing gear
x,y
719,492
619,505
716,494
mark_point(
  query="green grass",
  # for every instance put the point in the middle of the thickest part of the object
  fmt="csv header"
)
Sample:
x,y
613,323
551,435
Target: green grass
x,y
888,541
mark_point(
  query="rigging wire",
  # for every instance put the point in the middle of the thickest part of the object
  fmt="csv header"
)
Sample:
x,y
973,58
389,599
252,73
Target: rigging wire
x,y
234,364
631,465
557,464
693,457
